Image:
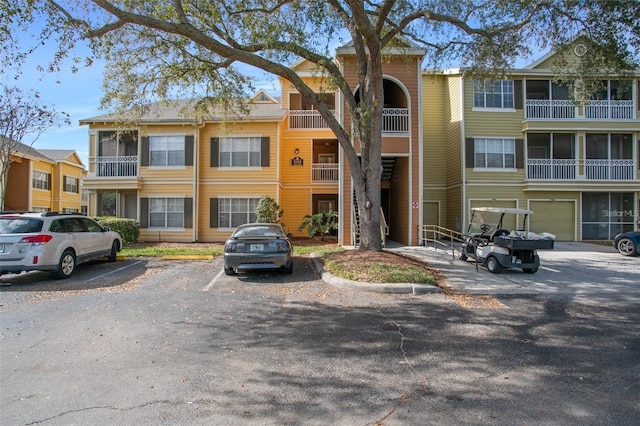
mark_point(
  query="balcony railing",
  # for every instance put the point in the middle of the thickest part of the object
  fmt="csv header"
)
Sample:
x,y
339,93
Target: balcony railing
x,y
550,109
394,120
546,109
324,172
549,169
117,166
306,119
615,110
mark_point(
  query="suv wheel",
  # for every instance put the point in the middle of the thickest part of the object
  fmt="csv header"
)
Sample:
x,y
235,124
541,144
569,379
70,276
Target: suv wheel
x,y
113,255
66,265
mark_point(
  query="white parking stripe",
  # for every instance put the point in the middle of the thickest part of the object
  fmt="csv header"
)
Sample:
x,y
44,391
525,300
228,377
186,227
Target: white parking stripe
x,y
213,281
114,271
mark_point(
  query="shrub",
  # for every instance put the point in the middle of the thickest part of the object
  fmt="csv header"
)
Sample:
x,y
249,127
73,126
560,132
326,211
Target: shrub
x,y
319,223
268,211
129,229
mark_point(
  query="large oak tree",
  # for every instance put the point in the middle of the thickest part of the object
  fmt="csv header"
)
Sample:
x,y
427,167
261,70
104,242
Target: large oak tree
x,y
164,49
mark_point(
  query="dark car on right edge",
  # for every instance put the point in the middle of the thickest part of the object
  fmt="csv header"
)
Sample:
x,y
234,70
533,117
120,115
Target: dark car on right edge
x,y
627,243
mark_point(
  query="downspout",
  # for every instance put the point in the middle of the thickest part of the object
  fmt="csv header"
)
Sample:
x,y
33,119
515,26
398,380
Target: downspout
x,y
341,160
196,179
464,154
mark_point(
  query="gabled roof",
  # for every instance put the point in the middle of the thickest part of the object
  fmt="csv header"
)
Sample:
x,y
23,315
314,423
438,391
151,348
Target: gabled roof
x,y
182,111
399,46
48,155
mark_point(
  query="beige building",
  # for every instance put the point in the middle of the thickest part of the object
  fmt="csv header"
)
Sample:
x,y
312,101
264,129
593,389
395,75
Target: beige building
x,y
44,180
449,143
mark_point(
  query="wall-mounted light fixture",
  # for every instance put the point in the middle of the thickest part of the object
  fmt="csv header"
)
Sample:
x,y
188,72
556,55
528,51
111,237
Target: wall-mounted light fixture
x,y
297,161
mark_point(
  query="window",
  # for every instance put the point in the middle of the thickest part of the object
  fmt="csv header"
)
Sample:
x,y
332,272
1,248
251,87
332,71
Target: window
x,y
495,153
41,180
493,94
236,211
69,210
166,150
71,184
166,212
606,214
240,152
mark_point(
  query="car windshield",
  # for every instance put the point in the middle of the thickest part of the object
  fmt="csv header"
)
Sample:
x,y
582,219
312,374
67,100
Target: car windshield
x,y
12,225
259,231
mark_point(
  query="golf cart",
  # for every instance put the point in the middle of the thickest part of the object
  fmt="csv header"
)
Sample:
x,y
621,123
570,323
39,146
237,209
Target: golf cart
x,y
490,244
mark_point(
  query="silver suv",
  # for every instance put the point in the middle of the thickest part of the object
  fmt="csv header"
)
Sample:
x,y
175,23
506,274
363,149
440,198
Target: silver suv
x,y
52,241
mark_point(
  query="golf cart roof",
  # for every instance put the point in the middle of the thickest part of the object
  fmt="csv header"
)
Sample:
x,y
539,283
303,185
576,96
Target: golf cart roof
x,y
500,210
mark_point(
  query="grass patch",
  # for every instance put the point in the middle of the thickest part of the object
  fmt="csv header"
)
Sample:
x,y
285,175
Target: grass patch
x,y
158,251
377,268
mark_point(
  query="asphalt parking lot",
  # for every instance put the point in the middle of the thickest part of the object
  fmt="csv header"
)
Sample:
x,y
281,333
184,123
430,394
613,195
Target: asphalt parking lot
x,y
176,342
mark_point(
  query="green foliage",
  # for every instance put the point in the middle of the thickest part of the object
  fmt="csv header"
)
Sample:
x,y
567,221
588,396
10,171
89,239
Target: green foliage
x,y
319,223
268,211
129,229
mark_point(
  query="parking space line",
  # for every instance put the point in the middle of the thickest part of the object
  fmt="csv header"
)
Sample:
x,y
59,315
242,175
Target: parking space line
x,y
114,271
213,281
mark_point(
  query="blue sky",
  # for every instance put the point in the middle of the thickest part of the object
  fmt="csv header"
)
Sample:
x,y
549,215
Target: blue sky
x,y
78,94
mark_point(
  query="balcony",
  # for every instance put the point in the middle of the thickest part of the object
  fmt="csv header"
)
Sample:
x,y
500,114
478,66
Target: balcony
x,y
394,120
546,109
614,110
324,172
568,169
117,166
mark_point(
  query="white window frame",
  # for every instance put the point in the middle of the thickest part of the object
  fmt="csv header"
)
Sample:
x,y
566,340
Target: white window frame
x,y
233,147
506,147
485,88
226,211
73,183
168,208
41,180
163,143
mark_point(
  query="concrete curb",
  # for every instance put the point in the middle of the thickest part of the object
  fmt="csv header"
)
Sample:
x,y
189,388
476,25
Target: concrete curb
x,y
399,288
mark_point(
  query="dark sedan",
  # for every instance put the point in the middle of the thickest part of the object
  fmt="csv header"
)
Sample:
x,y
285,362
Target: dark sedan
x,y
258,246
627,243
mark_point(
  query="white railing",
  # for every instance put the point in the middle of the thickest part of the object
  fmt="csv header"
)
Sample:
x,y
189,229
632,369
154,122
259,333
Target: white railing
x,y
615,110
324,172
117,166
549,169
549,109
609,169
306,119
395,120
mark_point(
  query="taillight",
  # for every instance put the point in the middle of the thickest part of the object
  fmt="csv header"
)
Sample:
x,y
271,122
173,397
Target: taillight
x,y
283,247
37,239
234,247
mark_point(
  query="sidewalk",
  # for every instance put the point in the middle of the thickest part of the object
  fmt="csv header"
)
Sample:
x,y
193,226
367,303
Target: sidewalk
x,y
462,276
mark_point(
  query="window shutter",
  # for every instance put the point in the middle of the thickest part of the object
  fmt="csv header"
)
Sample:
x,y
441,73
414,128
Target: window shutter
x,y
188,150
264,151
517,94
213,212
144,155
519,153
215,152
144,212
48,180
188,212
470,153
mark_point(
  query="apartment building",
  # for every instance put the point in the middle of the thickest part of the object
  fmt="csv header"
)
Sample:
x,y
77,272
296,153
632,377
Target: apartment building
x,y
526,141
449,143
44,180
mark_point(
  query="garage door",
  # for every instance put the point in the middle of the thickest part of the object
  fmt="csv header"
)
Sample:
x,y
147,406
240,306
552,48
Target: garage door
x,y
556,217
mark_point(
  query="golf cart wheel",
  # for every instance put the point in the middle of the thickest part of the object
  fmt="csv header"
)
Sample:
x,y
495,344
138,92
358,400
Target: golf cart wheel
x,y
530,270
462,256
626,247
493,265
